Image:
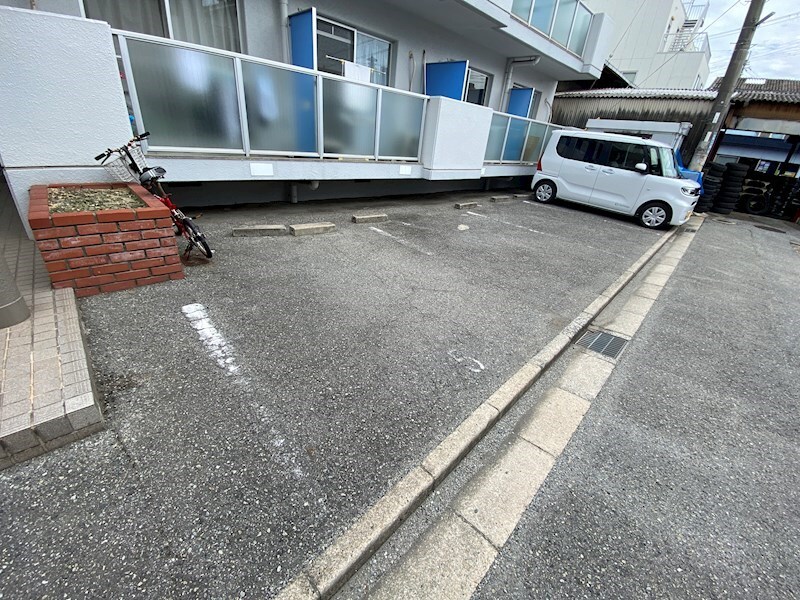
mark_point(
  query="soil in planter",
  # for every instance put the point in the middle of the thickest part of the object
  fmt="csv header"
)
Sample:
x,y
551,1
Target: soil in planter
x,y
63,200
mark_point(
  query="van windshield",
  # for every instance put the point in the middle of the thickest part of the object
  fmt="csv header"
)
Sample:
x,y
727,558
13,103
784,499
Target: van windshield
x,y
667,160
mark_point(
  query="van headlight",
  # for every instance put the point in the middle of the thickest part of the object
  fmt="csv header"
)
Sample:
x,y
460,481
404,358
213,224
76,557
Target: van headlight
x,y
690,191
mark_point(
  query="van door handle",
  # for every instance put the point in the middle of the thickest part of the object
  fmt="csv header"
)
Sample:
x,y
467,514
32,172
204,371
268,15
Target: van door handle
x,y
608,171
590,168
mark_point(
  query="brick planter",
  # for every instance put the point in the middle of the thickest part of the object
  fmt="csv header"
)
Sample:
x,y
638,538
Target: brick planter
x,y
105,250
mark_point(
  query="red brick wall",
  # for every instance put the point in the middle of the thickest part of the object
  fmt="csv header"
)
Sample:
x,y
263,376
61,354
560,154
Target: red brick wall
x,y
106,250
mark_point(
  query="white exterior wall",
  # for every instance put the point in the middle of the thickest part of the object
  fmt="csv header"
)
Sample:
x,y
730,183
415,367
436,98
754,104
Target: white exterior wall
x,y
61,99
638,42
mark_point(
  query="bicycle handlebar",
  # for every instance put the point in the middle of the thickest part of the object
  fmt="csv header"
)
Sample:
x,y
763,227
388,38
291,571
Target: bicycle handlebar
x,y
109,151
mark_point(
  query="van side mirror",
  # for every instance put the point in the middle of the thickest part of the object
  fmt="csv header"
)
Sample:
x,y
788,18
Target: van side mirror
x,y
642,167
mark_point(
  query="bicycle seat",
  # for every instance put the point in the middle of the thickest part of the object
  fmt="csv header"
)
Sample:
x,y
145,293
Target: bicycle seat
x,y
151,174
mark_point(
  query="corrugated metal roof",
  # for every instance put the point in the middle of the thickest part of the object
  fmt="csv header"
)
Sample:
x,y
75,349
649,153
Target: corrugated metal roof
x,y
764,90
642,93
785,91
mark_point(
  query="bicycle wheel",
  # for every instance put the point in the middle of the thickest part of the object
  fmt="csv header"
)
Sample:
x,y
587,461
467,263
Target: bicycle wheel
x,y
196,237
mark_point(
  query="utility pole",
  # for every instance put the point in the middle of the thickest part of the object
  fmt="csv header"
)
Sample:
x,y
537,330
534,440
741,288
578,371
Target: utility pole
x,y
719,110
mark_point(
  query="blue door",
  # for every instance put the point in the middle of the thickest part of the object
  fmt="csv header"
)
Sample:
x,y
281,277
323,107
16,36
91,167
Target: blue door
x,y
520,101
448,79
303,28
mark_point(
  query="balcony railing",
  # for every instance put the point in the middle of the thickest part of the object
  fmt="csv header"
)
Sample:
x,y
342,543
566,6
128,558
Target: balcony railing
x,y
516,140
686,42
566,22
198,99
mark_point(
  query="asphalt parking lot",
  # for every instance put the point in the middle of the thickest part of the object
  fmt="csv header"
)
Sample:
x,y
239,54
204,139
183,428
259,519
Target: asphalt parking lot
x,y
257,407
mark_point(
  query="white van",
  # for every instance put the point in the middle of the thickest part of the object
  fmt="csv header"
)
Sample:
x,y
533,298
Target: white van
x,y
620,173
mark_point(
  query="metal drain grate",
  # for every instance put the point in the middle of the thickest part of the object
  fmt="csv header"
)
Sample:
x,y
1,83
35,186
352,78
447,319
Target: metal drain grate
x,y
604,343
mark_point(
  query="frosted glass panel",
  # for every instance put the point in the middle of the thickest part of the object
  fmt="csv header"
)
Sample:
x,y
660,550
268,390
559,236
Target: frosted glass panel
x,y
534,142
188,98
401,121
349,117
281,108
522,8
563,22
583,19
515,140
542,17
497,133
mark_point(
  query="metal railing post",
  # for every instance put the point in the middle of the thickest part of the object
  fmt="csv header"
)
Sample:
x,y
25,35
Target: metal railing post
x,y
237,68
378,108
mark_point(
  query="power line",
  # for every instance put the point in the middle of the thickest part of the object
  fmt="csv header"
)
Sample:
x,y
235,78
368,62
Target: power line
x,y
624,33
689,41
777,21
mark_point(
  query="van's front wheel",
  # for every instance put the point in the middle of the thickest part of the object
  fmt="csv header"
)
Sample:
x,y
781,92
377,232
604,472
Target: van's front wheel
x,y
654,215
544,191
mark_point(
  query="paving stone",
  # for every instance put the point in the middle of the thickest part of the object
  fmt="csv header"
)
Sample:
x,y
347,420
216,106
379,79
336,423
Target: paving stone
x,y
29,453
77,390
300,588
16,409
20,440
495,499
46,381
52,429
447,564
551,423
586,375
311,228
625,323
639,305
48,399
84,417
13,393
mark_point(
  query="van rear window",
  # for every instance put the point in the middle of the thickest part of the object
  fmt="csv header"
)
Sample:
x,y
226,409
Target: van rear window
x,y
582,149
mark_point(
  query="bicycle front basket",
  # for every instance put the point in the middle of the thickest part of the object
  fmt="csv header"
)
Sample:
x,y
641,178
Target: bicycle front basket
x,y
118,167
138,156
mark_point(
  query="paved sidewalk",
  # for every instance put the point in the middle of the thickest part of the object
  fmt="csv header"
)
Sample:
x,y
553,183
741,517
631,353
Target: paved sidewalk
x,y
47,398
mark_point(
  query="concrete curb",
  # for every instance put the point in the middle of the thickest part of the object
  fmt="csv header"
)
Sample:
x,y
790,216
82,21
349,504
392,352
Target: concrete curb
x,y
260,231
329,571
311,228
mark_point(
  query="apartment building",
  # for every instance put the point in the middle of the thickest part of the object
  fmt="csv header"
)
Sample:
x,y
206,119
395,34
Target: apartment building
x,y
658,43
247,100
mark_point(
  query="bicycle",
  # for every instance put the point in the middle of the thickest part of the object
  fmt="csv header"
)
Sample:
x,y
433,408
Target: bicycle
x,y
130,166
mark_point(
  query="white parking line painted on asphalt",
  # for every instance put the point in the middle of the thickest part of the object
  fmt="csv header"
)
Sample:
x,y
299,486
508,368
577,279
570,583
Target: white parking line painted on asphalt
x,y
401,241
475,365
212,339
474,214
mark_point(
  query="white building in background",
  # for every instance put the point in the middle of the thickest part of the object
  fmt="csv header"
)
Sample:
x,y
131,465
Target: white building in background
x,y
248,99
659,43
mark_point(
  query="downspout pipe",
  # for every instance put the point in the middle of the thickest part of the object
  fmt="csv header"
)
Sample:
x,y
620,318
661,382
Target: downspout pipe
x,y
507,79
284,16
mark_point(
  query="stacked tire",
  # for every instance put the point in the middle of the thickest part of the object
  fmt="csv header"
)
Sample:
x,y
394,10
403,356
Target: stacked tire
x,y
731,189
712,182
755,198
783,198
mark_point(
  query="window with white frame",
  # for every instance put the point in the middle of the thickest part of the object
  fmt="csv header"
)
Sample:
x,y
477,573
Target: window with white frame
x,y
337,44
477,87
212,23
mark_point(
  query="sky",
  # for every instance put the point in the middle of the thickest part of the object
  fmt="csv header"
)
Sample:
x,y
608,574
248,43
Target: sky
x,y
775,52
